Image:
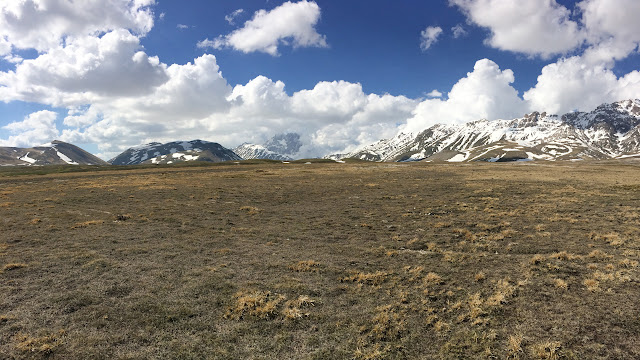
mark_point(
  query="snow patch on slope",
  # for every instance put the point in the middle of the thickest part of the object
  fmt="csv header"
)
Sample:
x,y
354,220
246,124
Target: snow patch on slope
x,y
28,159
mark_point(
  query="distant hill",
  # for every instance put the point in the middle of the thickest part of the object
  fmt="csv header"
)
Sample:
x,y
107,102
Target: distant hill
x,y
54,153
280,147
173,152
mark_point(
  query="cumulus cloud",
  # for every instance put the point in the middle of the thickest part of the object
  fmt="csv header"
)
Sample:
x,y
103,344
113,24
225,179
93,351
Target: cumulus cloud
x,y
231,18
332,117
429,36
612,29
575,84
184,105
458,31
37,128
288,24
485,93
434,94
533,27
584,81
84,70
5,46
43,24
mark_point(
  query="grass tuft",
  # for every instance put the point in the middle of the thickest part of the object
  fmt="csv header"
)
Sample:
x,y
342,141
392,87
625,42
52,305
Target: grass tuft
x,y
305,266
14,266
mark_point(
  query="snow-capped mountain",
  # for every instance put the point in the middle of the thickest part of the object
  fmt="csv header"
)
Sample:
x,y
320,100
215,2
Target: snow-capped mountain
x,y
177,151
54,153
280,147
611,131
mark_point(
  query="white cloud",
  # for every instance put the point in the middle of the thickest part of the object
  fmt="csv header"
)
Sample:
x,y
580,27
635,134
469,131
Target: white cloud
x,y
484,93
533,27
575,84
14,59
628,86
612,28
37,128
331,117
232,17
182,26
5,46
429,36
43,24
458,31
434,94
288,24
85,70
617,18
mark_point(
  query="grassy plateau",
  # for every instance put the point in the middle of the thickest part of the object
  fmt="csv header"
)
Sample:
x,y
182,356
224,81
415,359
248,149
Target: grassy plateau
x,y
266,260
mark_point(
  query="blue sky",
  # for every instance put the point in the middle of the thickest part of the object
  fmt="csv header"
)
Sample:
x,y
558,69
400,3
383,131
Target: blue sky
x,y
375,43
341,73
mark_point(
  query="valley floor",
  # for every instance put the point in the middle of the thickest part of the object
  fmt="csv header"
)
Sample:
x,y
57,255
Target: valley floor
x,y
316,261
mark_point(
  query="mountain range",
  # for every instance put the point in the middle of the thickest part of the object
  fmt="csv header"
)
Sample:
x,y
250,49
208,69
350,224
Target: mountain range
x,y
611,131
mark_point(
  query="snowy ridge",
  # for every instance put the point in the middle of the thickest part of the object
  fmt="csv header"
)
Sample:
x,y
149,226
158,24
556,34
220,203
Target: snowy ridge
x,y
176,151
610,131
53,153
283,147
254,151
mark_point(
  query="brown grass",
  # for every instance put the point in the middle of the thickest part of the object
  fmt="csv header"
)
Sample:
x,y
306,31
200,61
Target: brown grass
x,y
549,350
259,304
592,285
514,346
273,261
374,279
43,346
14,266
560,284
305,266
85,224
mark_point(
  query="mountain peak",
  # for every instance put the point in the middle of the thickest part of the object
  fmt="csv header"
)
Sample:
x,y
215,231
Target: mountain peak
x,y
175,151
54,153
280,147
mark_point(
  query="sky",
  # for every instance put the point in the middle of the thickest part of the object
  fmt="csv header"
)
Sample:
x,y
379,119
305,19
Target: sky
x,y
111,74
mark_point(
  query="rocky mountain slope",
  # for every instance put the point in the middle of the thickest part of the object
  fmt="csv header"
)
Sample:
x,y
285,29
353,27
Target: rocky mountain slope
x,y
177,151
280,147
54,153
611,131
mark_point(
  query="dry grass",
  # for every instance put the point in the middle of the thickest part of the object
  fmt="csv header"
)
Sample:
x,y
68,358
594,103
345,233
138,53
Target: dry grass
x,y
259,304
322,261
514,346
44,346
560,284
306,266
549,350
374,279
85,224
592,285
250,210
14,266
